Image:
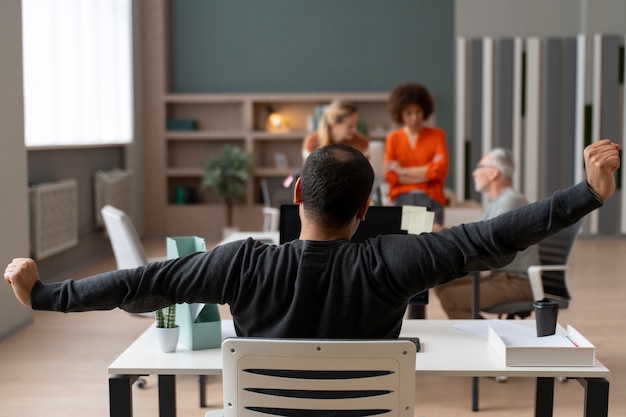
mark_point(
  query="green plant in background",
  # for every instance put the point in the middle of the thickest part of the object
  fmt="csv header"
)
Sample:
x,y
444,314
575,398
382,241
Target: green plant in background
x,y
166,317
228,174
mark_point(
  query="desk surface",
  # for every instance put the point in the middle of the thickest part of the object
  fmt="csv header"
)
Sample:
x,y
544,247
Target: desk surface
x,y
268,237
445,351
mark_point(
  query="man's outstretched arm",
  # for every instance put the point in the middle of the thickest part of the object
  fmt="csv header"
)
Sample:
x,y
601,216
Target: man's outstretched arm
x,y
601,162
22,274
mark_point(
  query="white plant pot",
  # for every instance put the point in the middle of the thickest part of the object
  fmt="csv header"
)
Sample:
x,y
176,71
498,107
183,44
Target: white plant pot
x,y
167,339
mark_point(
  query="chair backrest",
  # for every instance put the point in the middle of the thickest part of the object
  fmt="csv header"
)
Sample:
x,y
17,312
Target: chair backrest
x,y
275,193
377,154
298,377
556,250
127,247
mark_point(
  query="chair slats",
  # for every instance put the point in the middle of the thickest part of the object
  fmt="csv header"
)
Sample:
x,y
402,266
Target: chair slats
x,y
296,377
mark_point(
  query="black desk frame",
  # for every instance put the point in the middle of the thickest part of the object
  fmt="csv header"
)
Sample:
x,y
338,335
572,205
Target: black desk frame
x,y
121,404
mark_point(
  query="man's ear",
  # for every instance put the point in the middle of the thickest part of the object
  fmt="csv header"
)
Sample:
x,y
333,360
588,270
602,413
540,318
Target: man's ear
x,y
363,210
296,192
495,174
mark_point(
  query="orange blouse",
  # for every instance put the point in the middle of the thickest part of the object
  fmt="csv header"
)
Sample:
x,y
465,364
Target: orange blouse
x,y
430,150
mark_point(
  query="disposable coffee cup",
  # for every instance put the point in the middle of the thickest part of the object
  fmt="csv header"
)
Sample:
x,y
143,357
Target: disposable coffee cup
x,y
546,313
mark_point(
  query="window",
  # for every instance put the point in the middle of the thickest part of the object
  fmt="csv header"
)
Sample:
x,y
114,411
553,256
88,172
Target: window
x,y
78,85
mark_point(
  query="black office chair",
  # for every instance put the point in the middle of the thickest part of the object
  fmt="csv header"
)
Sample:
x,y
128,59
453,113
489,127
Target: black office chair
x,y
548,279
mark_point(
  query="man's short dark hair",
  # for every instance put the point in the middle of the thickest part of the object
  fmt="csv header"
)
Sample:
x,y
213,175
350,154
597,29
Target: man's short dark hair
x,y
407,94
336,182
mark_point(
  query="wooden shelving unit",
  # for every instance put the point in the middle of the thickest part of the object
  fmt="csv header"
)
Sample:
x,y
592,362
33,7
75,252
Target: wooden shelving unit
x,y
175,158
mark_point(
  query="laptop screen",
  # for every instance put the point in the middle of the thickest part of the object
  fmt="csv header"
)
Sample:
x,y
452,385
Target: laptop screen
x,y
380,220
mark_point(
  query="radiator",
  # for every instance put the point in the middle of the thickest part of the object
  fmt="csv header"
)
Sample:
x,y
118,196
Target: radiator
x,y
53,217
114,188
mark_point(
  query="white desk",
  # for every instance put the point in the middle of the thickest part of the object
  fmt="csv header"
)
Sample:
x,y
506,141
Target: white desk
x,y
267,237
445,352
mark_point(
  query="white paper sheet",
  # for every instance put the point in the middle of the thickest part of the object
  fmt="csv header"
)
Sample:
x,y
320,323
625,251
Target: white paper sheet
x,y
504,328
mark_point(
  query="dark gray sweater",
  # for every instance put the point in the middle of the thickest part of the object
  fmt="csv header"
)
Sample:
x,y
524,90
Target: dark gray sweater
x,y
322,289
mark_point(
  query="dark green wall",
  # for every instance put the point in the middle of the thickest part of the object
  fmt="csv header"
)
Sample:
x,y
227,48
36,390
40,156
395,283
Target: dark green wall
x,y
313,46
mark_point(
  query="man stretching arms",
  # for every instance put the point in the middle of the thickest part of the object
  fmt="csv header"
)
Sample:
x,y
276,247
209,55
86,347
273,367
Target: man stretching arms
x,y
323,286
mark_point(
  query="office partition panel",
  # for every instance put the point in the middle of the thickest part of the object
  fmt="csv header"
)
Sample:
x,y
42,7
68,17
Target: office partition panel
x,y
545,99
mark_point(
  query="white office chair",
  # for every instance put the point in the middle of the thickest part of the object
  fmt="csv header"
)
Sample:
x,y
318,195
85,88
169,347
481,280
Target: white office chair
x,y
300,377
129,253
274,194
127,247
271,216
380,190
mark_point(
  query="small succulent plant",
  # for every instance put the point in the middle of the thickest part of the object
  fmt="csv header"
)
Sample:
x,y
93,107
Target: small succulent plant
x,y
166,317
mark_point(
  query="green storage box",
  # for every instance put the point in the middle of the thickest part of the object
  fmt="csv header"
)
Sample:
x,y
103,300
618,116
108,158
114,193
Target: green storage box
x,y
200,324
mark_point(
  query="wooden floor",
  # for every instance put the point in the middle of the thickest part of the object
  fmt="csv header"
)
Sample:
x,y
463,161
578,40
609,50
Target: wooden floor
x,y
58,365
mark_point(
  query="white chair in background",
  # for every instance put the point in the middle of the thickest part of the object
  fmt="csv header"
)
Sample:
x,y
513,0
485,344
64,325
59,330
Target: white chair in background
x,y
274,194
271,218
380,192
127,247
129,253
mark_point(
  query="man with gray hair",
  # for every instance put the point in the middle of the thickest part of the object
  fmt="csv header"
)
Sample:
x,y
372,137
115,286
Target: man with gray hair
x,y
493,176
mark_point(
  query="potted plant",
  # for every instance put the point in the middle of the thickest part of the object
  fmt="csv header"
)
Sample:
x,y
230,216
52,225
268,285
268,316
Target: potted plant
x,y
167,330
228,174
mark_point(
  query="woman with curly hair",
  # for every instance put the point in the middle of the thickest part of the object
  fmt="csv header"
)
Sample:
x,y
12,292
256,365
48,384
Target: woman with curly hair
x,y
416,156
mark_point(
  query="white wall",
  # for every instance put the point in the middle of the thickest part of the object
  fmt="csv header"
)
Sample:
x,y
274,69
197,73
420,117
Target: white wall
x,y
507,18
606,16
13,173
543,18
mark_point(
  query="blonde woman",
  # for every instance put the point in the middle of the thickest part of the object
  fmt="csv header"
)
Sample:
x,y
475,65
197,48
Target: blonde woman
x,y
337,125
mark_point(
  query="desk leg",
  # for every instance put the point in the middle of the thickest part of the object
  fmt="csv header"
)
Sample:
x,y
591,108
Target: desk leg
x,y
596,396
202,385
167,396
544,397
121,395
475,393
416,311
475,314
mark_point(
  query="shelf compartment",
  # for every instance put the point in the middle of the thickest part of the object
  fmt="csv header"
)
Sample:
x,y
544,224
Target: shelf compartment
x,y
194,153
281,154
183,190
372,107
294,114
208,116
